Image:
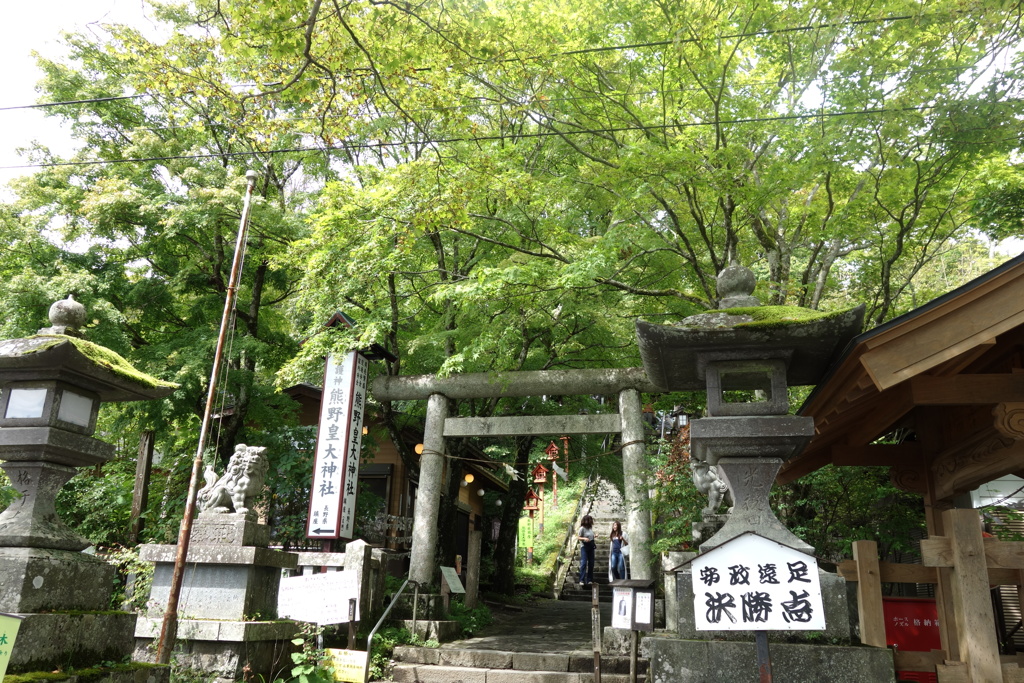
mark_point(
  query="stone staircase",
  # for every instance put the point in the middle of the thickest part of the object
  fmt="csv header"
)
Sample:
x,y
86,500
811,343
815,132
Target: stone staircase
x,y
606,506
429,665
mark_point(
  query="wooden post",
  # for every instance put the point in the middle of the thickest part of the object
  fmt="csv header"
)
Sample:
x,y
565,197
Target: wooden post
x,y
929,430
143,467
595,623
351,623
972,601
869,593
473,568
633,638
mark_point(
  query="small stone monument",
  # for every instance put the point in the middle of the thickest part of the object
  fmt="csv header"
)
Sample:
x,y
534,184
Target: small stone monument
x,y
745,356
51,388
227,612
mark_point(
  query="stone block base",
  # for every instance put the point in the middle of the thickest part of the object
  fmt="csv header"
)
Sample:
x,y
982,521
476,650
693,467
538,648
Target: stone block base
x,y
42,580
433,629
696,661
59,641
225,651
615,641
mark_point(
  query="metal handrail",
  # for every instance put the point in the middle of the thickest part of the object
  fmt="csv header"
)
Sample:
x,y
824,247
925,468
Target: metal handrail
x,y
369,639
561,562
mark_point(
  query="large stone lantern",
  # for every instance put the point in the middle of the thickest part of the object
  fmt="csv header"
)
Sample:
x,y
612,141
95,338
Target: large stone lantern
x,y
746,356
51,388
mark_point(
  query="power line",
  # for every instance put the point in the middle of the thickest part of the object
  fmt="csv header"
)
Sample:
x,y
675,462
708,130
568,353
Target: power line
x,y
487,138
607,48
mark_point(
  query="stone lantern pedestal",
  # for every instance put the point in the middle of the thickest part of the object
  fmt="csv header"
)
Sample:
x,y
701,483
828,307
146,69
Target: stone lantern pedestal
x,y
51,387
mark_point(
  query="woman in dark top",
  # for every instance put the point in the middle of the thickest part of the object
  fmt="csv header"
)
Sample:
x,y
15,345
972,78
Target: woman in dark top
x,y
587,547
618,562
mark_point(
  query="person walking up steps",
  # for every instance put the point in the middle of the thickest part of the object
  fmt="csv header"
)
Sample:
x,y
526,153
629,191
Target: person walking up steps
x,y
617,558
587,548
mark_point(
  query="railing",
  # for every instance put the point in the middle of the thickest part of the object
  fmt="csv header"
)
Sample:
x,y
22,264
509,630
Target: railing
x,y
383,617
563,562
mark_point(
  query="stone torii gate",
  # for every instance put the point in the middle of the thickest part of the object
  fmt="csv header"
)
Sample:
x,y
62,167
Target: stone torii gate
x,y
627,383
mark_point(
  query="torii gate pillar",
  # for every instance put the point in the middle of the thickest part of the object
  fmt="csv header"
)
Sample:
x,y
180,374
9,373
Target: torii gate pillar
x,y
634,467
428,498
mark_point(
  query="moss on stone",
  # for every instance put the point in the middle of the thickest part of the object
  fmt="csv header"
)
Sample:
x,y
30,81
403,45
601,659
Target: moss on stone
x,y
94,673
769,317
36,676
103,357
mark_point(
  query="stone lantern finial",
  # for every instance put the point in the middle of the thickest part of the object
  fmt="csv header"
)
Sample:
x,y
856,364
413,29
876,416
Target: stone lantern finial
x,y
66,317
735,288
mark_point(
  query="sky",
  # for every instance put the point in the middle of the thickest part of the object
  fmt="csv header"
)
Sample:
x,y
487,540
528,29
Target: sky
x,y
29,27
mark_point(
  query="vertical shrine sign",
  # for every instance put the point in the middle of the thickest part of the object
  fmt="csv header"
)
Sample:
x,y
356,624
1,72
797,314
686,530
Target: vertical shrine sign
x,y
753,584
332,497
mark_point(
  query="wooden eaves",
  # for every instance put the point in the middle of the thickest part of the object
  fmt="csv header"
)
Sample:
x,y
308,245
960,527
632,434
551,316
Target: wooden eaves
x,y
948,376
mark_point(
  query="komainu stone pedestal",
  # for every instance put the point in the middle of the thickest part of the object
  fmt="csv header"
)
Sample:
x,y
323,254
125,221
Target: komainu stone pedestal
x,y
227,611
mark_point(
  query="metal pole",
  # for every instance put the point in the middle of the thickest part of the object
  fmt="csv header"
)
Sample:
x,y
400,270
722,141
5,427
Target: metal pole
x,y
764,660
169,627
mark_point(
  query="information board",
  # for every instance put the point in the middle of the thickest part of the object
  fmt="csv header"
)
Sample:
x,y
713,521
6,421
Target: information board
x,y
318,598
754,584
339,439
9,625
348,665
451,578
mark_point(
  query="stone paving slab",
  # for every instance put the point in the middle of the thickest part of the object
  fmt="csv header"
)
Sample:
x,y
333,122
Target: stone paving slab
x,y
539,661
483,659
548,626
415,673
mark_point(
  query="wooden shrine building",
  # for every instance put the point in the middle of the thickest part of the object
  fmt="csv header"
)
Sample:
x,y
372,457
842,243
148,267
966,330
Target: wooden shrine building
x,y
937,396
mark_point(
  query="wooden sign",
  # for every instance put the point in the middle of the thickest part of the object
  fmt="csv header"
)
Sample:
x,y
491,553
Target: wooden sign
x,y
332,498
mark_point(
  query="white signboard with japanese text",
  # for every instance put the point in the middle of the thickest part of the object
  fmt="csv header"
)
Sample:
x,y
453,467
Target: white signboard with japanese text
x,y
338,443
318,598
753,584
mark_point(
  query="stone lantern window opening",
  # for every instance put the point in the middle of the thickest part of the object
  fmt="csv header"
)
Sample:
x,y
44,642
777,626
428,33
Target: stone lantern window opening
x,y
49,404
730,383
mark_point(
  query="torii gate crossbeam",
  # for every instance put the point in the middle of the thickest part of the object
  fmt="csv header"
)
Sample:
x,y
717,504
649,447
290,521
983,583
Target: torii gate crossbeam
x,y
627,383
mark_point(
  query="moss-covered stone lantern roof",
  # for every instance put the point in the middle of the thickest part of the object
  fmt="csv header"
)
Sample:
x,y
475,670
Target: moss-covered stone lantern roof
x,y
675,356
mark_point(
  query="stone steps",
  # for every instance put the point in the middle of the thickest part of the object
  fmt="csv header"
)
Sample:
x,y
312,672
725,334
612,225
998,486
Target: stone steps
x,y
431,665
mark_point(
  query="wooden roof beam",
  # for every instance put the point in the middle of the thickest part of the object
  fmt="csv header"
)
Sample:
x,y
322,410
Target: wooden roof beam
x,y
928,390
877,455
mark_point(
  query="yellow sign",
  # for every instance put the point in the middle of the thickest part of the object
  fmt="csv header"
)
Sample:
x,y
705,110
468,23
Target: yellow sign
x,y
9,625
349,665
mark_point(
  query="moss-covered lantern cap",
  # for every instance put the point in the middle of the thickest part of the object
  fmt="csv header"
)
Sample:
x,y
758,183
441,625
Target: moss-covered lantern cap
x,y
675,356
78,362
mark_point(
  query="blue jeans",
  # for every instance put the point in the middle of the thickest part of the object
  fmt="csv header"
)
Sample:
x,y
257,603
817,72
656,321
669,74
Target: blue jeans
x,y
587,562
618,565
